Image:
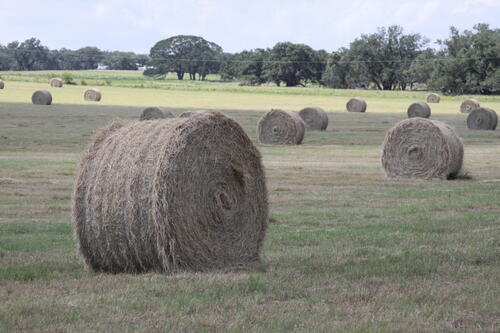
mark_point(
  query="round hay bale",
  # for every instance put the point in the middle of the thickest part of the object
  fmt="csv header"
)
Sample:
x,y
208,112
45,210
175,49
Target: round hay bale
x,y
42,97
187,194
187,114
92,94
482,119
468,105
56,82
433,98
356,105
419,109
314,118
2,85
422,148
278,127
155,112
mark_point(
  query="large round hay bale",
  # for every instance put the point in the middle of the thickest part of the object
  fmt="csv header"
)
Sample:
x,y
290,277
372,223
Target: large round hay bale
x,y
92,94
42,97
433,98
468,105
419,109
422,148
482,119
56,82
314,118
278,127
2,85
187,194
190,113
155,112
356,105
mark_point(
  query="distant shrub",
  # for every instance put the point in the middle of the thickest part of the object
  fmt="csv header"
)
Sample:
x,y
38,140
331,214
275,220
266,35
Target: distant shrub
x,y
68,78
108,82
83,82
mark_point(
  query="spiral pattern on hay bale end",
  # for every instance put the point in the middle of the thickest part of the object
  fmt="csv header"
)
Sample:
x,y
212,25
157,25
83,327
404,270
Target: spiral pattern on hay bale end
x,y
2,85
279,127
356,104
315,118
188,194
482,119
92,95
422,148
433,98
41,97
56,82
469,105
155,112
419,109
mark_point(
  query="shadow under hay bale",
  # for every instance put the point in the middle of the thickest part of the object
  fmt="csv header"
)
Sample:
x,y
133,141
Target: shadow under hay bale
x,y
419,109
2,85
188,194
482,119
433,98
469,105
422,148
41,97
356,105
155,113
56,82
314,118
92,95
278,127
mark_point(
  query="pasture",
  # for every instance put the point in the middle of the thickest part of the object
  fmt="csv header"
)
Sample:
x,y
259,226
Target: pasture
x,y
346,250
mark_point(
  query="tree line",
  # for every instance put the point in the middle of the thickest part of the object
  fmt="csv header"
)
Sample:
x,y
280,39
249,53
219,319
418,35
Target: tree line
x,y
388,59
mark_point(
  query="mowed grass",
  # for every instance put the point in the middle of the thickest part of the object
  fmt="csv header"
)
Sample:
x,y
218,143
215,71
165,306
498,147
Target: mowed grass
x,y
346,249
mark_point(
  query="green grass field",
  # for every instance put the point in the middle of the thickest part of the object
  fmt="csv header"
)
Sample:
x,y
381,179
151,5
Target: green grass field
x,y
346,250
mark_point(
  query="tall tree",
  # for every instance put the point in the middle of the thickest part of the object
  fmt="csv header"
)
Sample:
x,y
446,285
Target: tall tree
x,y
185,54
29,55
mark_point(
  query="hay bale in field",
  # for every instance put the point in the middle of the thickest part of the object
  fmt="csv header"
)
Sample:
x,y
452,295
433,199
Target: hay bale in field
x,y
314,118
92,94
433,98
187,114
155,112
56,82
188,194
42,97
278,127
468,105
422,148
482,119
2,85
356,105
419,109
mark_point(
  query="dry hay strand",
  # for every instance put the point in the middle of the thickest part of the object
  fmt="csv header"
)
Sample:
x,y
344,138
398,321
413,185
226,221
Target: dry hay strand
x,y
278,127
482,119
155,112
356,105
42,97
433,98
92,94
2,85
314,118
56,82
187,114
422,148
469,105
419,109
188,194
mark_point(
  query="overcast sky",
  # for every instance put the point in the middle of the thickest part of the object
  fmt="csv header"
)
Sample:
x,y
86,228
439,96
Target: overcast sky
x,y
235,25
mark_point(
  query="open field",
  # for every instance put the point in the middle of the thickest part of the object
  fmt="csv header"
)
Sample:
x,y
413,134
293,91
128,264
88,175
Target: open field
x,y
346,250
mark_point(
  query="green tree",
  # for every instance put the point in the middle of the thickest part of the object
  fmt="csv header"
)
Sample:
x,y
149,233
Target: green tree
x,y
293,64
29,55
185,54
469,62
342,71
421,68
386,55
